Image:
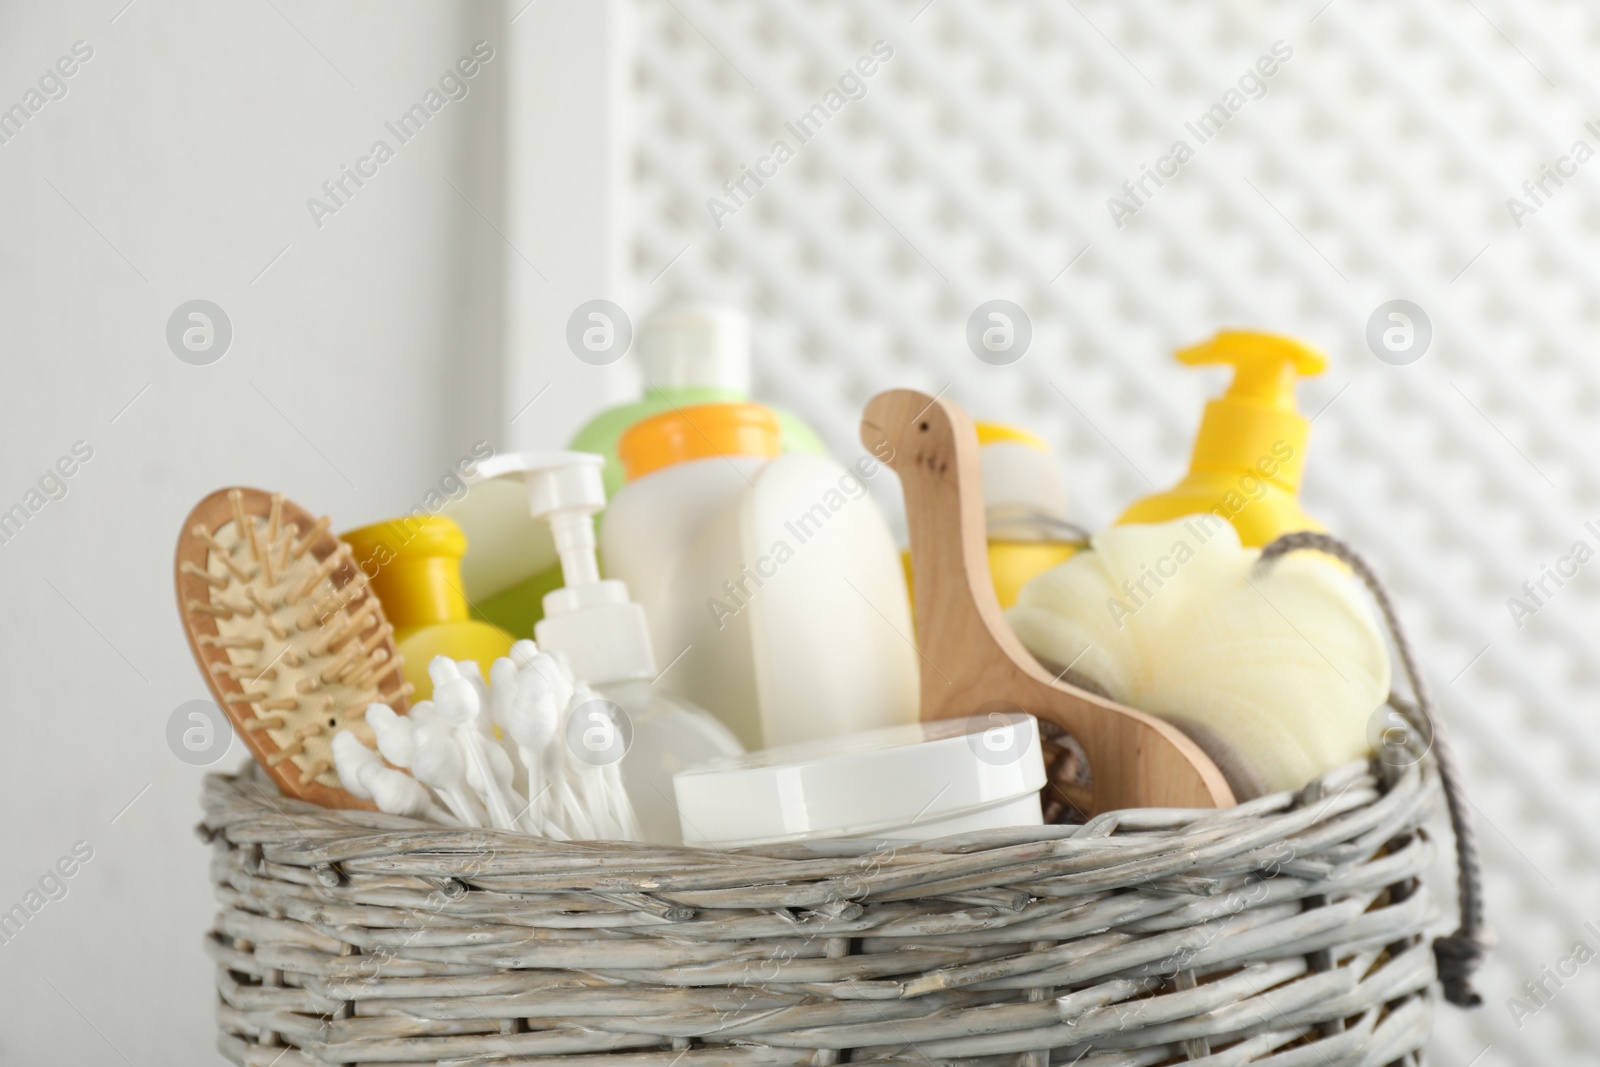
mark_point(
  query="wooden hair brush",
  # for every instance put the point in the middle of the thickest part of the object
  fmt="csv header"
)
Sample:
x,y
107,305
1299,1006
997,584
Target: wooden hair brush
x,y
290,638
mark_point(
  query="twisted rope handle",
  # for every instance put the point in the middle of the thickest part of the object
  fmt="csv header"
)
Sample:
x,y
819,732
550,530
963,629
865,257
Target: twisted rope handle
x,y
1459,954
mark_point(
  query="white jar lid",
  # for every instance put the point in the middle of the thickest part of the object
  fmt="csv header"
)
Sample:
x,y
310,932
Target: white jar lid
x,y
895,782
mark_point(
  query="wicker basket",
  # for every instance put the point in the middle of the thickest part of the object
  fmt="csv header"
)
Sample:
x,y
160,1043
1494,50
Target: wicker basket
x,y
1289,930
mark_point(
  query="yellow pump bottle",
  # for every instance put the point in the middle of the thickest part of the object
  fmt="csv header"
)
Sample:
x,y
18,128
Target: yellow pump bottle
x,y
414,566
1250,453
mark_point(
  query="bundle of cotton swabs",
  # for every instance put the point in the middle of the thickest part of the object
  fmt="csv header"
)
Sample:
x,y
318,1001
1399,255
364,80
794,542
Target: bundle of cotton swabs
x,y
445,761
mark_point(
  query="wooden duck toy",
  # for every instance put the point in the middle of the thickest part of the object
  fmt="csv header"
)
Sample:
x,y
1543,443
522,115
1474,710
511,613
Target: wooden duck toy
x,y
969,656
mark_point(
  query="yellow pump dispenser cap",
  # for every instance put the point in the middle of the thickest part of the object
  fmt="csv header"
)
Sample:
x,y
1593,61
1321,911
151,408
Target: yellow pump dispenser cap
x,y
1250,453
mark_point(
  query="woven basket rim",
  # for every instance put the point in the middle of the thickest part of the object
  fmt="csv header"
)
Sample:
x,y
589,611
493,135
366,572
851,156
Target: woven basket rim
x,y
301,834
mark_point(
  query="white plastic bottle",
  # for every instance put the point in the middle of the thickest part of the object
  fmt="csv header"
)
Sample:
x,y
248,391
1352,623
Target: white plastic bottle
x,y
606,639
771,582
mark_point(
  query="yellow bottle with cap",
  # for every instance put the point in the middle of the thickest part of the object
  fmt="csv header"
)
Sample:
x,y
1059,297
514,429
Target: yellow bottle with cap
x,y
414,566
1250,453
1025,509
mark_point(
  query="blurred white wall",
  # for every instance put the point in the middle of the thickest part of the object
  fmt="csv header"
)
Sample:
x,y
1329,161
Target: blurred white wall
x,y
366,356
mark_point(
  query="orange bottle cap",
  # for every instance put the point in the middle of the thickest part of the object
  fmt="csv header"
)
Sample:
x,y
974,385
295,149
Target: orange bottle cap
x,y
701,431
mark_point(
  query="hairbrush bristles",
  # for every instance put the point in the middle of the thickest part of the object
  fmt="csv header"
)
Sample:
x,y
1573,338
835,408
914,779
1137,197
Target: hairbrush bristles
x,y
292,641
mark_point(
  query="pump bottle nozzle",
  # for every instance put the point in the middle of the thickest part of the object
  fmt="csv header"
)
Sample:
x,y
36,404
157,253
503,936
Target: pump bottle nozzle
x,y
1265,365
591,619
1250,452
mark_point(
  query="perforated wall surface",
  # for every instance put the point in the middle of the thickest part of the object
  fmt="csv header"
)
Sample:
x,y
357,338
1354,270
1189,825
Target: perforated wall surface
x,y
1373,163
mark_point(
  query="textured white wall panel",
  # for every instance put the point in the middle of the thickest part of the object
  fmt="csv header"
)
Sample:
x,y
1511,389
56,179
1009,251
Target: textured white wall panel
x,y
1377,166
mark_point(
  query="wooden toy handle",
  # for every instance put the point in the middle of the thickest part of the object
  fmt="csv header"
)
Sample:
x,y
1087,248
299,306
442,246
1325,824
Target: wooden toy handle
x,y
970,656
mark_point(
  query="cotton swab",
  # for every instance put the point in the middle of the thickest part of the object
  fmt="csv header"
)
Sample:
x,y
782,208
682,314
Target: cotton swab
x,y
456,697
502,700
502,772
601,777
397,744
536,724
450,745
488,721
397,793
530,718
364,775
396,739
586,783
474,675
556,667
502,691
350,763
439,764
562,733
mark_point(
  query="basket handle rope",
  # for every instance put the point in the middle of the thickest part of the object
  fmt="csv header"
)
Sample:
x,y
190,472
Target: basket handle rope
x,y
1459,954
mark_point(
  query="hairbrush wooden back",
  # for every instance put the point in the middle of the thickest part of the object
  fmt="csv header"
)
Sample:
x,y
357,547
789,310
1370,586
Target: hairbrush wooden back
x,y
290,638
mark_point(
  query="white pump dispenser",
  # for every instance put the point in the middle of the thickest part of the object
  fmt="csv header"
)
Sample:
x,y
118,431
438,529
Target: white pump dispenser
x,y
604,634
606,637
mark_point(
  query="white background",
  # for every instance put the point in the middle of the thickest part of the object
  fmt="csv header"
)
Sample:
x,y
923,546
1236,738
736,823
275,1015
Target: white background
x,y
428,312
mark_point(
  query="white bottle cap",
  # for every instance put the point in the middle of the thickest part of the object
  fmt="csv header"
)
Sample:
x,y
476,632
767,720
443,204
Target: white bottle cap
x,y
913,782
699,344
603,633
